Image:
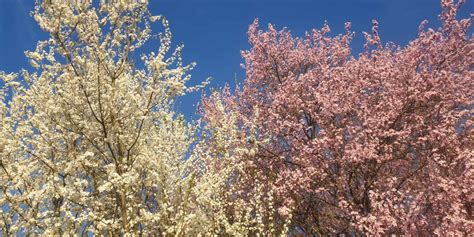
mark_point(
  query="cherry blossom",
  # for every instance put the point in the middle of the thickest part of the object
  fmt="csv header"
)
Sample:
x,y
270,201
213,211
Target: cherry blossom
x,y
378,144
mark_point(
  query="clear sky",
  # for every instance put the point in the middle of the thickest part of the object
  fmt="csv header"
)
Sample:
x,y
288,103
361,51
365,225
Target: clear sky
x,y
214,31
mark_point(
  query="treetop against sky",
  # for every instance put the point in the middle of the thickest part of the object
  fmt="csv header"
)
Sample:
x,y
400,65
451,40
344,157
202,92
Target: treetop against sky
x,y
214,32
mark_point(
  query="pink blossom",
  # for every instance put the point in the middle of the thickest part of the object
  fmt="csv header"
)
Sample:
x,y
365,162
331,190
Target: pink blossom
x,y
388,133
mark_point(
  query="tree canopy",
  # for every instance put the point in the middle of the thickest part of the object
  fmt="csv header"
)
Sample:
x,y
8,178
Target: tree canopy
x,y
317,141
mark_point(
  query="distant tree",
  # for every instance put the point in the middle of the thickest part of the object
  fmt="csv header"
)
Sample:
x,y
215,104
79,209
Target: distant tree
x,y
376,144
245,203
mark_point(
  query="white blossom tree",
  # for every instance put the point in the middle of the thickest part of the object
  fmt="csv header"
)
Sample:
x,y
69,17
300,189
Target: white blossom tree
x,y
89,142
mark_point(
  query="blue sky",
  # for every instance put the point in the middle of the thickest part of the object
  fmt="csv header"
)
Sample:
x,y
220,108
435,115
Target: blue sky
x,y
214,31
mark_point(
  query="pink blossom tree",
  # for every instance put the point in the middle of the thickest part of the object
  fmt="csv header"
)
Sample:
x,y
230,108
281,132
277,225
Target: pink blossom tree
x,y
380,144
